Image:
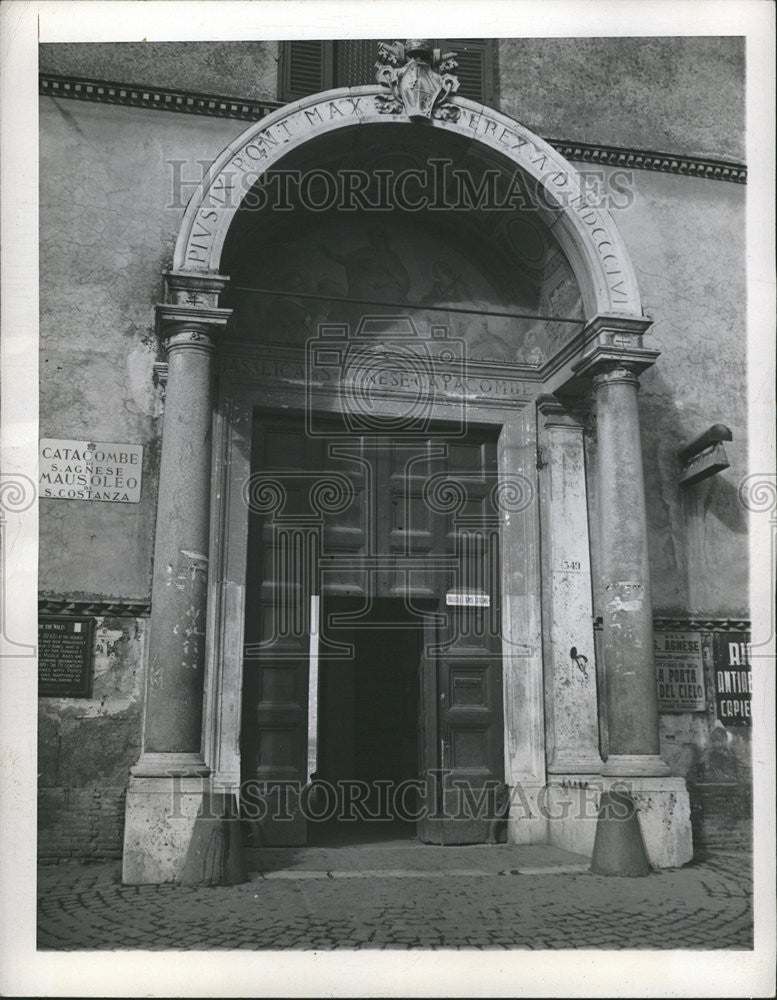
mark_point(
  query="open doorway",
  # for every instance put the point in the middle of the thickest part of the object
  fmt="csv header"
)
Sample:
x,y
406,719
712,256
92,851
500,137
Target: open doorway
x,y
368,722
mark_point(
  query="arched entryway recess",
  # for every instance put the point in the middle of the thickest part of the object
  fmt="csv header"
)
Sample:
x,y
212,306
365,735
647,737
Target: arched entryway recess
x,y
190,763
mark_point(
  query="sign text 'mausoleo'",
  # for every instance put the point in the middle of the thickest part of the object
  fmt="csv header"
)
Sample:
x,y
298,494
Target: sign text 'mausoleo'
x,y
90,470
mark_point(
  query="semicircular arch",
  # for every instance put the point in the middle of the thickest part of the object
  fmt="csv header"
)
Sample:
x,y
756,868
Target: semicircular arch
x,y
586,232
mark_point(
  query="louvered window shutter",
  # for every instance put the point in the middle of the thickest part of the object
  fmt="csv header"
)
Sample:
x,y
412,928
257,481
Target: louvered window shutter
x,y
355,62
306,68
475,57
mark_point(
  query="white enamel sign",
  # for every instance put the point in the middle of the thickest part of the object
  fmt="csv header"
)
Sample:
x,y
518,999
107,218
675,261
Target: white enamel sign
x,y
471,599
90,470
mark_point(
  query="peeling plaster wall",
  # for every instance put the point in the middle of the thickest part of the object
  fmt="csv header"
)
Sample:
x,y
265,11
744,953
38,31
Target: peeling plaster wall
x,y
687,241
86,747
111,204
110,212
687,244
230,69
109,217
679,95
672,94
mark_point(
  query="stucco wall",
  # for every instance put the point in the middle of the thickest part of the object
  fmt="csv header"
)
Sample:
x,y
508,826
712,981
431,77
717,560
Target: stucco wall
x,y
231,69
687,243
86,747
109,218
674,94
681,95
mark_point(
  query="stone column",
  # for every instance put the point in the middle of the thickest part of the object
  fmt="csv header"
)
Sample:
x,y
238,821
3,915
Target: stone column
x,y
166,785
572,726
627,612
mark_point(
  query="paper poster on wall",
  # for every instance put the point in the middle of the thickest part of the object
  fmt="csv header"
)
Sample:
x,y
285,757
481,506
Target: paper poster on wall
x,y
733,677
679,672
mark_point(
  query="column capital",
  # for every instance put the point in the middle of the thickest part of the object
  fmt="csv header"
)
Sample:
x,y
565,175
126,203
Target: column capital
x,y
616,331
557,413
605,364
181,325
195,288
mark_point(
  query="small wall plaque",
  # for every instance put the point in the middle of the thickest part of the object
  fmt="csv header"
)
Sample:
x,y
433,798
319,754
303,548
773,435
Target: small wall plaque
x,y
65,656
705,456
471,599
90,470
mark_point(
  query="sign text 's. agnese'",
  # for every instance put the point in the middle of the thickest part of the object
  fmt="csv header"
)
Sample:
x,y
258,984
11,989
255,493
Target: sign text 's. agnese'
x,y
86,470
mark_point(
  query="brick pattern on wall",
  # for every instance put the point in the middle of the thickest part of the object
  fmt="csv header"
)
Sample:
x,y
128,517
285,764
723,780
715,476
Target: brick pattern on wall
x,y
80,822
721,814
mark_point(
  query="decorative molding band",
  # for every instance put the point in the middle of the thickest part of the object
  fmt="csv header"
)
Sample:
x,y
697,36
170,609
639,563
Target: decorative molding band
x,y
157,98
193,103
692,624
642,159
702,624
99,609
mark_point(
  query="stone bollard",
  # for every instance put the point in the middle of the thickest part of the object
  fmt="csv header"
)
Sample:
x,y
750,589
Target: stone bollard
x,y
618,846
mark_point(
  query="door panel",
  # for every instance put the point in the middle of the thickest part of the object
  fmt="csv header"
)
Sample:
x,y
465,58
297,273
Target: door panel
x,y
467,663
282,568
375,518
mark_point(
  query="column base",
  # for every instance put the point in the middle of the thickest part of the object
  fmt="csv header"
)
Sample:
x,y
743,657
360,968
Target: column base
x,y
636,765
526,822
159,821
663,810
163,765
575,763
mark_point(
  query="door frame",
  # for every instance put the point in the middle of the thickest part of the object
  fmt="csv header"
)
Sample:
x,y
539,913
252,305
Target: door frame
x,y
242,388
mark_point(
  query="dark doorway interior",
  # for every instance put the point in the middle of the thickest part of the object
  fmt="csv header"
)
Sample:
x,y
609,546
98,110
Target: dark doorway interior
x,y
368,717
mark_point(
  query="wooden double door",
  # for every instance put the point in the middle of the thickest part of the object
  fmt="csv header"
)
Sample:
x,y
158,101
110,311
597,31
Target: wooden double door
x,y
372,644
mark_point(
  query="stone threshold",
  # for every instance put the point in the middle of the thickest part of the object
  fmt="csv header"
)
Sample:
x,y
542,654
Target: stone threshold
x,y
292,874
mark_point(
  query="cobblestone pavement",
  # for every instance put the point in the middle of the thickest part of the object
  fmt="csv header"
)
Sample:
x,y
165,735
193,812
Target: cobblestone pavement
x,y
413,897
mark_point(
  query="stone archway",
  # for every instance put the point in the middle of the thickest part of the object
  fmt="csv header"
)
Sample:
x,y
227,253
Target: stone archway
x,y
609,352
587,234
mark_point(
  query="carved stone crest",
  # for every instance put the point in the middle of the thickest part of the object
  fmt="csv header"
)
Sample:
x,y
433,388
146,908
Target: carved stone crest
x,y
419,79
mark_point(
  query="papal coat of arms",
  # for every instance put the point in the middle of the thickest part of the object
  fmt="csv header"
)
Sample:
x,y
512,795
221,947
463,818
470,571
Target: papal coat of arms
x,y
420,80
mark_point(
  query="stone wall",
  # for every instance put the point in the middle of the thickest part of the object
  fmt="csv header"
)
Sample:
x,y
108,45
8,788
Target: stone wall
x,y
114,183
680,95
86,747
687,242
228,69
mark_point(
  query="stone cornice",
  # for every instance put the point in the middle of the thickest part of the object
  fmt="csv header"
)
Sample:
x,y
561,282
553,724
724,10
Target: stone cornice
x,y
693,623
643,159
194,103
97,608
186,102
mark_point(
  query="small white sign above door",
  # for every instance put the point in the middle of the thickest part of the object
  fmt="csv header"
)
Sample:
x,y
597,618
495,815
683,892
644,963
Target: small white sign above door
x,y
472,598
